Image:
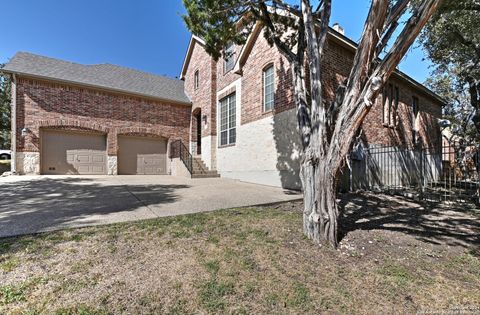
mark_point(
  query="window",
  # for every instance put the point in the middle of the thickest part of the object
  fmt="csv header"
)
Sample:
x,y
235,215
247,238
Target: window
x,y
391,95
227,120
394,121
196,80
268,88
415,119
229,57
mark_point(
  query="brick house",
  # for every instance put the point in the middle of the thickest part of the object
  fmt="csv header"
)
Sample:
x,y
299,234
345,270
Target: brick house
x,y
236,115
100,119
248,121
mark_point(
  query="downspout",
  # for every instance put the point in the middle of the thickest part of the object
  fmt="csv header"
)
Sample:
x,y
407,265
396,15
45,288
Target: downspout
x,y
14,124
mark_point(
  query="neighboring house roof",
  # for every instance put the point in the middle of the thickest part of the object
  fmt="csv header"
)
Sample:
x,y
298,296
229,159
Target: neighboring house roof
x,y
339,38
105,76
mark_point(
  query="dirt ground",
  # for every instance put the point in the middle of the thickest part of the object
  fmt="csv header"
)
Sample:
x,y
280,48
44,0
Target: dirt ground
x,y
395,256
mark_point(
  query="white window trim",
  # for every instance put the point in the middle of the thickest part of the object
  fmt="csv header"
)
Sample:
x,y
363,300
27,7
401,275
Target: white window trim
x,y
237,85
228,98
264,101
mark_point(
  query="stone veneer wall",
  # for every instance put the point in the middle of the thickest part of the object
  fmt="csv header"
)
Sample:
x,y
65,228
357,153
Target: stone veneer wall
x,y
267,152
28,163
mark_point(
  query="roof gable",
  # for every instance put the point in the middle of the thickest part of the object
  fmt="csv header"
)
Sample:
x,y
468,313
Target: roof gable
x,y
336,37
188,55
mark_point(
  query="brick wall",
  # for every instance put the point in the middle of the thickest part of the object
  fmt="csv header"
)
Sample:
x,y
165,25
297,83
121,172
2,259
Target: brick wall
x,y
336,67
261,56
42,104
224,79
401,134
204,96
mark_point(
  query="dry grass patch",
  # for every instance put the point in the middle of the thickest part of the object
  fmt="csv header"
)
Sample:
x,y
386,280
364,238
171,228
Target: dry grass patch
x,y
244,261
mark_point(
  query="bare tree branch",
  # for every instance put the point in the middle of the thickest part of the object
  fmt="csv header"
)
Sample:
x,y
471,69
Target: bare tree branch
x,y
265,18
391,24
367,47
354,109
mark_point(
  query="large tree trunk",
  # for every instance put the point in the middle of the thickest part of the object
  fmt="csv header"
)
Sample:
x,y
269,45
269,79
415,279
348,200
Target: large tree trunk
x,y
320,216
327,132
322,162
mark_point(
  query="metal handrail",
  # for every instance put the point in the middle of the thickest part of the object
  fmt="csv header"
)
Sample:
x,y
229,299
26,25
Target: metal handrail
x,y
179,150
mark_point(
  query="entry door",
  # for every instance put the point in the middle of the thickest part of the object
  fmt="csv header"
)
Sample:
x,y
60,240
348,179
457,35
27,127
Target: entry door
x,y
142,156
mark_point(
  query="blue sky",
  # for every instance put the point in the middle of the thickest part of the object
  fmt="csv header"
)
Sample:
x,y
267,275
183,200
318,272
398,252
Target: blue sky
x,y
147,35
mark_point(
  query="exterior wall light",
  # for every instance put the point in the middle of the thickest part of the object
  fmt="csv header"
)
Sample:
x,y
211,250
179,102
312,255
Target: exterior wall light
x,y
24,132
204,118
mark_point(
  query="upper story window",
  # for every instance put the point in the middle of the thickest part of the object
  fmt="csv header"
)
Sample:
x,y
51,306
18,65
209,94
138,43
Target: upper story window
x,y
268,88
228,120
229,57
415,119
391,95
196,79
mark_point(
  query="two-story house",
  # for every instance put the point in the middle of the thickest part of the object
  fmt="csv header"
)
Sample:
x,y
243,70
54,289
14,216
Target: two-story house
x,y
236,114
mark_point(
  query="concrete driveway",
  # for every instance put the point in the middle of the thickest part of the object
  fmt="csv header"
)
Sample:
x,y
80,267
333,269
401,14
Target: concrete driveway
x,y
31,204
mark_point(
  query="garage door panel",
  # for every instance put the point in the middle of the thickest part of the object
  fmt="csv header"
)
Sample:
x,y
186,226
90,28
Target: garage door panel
x,y
98,159
83,169
139,155
152,160
98,169
66,152
84,158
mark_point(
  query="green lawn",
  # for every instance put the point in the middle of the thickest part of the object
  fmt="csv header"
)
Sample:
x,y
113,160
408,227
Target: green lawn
x,y
239,261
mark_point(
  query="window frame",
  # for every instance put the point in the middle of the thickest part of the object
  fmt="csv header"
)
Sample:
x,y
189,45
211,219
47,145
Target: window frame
x,y
394,110
196,79
391,99
229,49
415,113
264,88
227,125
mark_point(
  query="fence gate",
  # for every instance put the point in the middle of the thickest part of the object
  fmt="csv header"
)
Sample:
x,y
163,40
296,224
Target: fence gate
x,y
448,173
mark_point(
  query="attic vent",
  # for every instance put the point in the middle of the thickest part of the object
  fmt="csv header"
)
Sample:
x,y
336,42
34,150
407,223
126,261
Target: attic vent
x,y
338,28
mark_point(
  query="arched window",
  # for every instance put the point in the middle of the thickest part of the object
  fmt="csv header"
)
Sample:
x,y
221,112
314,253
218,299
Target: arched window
x,y
268,88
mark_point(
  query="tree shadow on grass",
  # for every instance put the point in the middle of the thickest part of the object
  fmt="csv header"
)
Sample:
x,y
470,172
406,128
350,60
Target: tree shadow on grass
x,y
431,223
31,206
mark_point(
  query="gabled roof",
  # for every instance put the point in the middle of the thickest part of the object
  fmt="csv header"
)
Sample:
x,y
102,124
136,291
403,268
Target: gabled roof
x,y
334,35
194,39
105,76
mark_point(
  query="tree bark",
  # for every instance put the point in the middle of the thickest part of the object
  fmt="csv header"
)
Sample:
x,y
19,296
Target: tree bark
x,y
322,162
320,216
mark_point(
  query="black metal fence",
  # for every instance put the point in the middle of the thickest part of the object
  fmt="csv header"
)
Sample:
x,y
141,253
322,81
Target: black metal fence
x,y
448,173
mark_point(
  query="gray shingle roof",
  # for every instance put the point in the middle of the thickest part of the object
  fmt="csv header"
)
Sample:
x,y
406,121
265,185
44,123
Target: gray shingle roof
x,y
102,75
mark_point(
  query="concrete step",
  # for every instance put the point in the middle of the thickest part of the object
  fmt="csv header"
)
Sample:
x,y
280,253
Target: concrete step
x,y
204,172
200,169
199,164
205,175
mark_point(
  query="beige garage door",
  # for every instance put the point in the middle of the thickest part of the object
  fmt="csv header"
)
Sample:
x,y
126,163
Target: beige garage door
x,y
142,156
73,153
